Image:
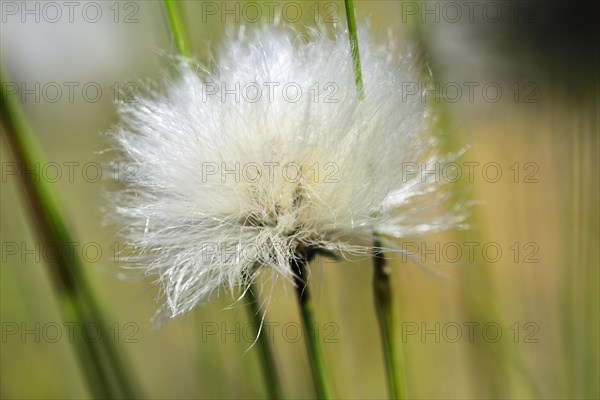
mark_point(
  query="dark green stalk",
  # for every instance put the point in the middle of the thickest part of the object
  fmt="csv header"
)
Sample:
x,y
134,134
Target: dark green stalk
x,y
176,25
382,290
75,298
267,358
382,287
89,357
315,356
119,369
354,47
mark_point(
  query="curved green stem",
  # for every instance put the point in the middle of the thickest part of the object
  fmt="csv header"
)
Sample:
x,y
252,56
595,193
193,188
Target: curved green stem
x,y
382,287
311,339
75,298
267,358
382,290
89,357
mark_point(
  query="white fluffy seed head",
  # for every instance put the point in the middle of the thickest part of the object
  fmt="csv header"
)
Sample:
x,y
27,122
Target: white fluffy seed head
x,y
270,154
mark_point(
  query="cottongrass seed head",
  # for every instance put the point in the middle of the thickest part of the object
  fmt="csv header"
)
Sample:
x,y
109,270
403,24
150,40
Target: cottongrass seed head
x,y
271,154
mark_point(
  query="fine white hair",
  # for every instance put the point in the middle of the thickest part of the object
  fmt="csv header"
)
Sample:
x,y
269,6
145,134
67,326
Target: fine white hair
x,y
271,153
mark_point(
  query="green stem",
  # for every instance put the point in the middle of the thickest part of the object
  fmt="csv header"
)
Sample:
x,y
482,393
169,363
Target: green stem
x,y
382,287
176,25
315,356
120,370
75,297
382,290
89,358
267,358
354,46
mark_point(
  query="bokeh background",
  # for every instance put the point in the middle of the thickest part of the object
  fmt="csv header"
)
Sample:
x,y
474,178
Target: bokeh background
x,y
523,323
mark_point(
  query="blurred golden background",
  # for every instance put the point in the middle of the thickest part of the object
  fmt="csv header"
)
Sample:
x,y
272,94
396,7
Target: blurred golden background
x,y
514,315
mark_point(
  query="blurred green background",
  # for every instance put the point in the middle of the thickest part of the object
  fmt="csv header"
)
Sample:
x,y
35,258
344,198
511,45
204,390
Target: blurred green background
x,y
542,213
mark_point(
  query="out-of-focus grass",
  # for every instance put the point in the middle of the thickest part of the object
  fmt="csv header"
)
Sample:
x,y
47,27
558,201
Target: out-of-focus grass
x,y
558,294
